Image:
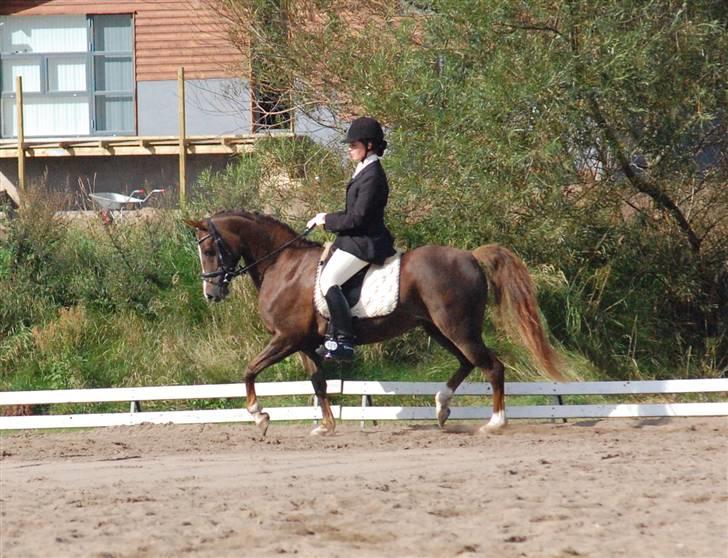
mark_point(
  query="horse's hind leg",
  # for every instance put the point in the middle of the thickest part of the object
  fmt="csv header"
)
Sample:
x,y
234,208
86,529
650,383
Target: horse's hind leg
x,y
494,371
311,364
443,397
471,347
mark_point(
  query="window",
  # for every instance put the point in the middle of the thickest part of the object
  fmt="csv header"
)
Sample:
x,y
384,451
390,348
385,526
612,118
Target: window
x,y
270,109
271,90
77,75
113,74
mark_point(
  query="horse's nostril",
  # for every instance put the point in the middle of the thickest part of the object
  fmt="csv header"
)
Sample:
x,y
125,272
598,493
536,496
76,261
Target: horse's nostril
x,y
209,297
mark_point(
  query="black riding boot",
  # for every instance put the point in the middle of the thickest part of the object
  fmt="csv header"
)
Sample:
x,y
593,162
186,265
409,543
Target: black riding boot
x,y
339,341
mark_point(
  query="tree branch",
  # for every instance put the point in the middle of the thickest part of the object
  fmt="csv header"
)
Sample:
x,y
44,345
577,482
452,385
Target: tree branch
x,y
639,182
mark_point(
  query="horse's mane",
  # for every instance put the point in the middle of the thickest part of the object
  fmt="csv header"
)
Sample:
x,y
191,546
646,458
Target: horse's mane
x,y
269,222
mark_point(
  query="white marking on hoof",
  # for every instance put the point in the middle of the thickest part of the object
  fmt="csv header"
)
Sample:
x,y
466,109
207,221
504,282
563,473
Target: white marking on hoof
x,y
262,420
322,430
442,405
497,421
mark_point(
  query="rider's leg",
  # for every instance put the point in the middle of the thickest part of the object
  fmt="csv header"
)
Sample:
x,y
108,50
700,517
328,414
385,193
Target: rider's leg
x,y
339,341
340,324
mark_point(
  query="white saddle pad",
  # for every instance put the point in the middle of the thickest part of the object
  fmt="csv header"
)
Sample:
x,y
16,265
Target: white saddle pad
x,y
379,293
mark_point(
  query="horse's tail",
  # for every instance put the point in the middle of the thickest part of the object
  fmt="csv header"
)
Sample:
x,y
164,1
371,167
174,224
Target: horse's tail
x,y
517,308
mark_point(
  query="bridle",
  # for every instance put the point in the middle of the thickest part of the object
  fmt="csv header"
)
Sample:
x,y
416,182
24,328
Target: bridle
x,y
228,271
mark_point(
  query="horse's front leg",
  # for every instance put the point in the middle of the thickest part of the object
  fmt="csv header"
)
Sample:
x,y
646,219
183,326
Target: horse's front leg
x,y
277,349
312,366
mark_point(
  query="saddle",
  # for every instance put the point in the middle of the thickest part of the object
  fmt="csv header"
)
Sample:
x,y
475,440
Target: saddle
x,y
371,293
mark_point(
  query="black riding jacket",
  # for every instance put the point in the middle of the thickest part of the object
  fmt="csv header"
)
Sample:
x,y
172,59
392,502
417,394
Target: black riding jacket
x,y
360,228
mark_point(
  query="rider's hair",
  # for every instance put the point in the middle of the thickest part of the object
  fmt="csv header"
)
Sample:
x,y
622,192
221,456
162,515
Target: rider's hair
x,y
377,147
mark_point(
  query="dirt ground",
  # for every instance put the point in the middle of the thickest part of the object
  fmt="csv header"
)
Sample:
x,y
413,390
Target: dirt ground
x,y
637,488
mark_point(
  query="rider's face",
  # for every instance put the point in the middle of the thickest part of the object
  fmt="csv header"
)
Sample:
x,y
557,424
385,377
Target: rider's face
x,y
357,151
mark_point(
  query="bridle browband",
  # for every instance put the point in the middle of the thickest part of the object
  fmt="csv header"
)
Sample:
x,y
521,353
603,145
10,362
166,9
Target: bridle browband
x,y
226,271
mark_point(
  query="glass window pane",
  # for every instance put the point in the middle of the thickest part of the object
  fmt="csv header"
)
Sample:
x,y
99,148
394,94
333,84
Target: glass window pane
x,y
114,113
67,73
28,68
112,33
43,34
113,73
57,116
8,117
48,116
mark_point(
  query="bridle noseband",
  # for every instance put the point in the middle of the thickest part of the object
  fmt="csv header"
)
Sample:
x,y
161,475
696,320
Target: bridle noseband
x,y
227,271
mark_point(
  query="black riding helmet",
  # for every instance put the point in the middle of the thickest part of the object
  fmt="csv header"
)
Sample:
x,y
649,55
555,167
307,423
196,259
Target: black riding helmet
x,y
367,129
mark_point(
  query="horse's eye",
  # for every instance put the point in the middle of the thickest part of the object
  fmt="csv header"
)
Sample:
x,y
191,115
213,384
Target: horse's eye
x,y
209,253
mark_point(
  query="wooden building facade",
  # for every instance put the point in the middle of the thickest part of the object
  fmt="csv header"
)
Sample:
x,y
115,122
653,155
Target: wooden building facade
x,y
100,79
167,33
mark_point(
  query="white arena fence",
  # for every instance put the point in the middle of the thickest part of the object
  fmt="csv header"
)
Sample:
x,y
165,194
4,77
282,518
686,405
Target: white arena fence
x,y
367,410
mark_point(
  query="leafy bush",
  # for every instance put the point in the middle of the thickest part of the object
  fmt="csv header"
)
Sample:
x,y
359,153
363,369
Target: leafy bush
x,y
593,147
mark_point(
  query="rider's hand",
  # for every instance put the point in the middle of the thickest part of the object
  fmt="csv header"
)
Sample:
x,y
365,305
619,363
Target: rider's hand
x,y
320,219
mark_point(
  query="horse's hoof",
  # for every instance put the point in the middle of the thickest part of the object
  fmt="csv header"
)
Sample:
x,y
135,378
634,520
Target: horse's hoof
x,y
442,405
496,423
442,415
262,420
322,431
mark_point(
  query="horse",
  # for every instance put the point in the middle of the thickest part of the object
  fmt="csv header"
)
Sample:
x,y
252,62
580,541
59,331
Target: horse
x,y
442,289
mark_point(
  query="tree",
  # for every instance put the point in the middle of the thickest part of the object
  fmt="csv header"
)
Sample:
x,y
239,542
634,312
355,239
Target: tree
x,y
589,135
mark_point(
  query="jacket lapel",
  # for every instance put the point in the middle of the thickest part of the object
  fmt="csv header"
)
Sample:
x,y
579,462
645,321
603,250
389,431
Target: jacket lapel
x,y
361,174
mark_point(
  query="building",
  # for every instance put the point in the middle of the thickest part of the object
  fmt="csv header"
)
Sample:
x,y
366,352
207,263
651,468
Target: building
x,y
100,80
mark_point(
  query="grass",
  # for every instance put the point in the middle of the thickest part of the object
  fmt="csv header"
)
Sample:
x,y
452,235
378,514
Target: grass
x,y
85,305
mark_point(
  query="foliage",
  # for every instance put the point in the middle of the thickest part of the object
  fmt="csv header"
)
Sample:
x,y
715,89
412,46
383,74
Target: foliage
x,y
588,136
236,186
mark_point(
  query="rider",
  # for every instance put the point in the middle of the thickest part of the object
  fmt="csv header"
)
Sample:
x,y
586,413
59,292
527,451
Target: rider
x,y
361,235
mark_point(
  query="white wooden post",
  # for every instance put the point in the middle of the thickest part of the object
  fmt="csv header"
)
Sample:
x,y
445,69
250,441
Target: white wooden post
x,y
363,406
21,135
182,138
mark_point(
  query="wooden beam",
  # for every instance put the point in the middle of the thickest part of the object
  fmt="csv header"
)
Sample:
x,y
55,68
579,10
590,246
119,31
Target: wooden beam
x,y
11,192
147,145
182,138
21,135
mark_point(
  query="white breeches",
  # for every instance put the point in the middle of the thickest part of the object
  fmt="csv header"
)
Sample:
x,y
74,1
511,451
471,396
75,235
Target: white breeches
x,y
341,267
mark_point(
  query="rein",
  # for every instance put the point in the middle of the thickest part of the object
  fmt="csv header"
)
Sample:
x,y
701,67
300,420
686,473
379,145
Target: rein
x,y
230,272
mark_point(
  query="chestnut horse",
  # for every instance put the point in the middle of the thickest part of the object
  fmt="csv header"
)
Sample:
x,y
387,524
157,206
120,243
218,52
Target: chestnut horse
x,y
442,289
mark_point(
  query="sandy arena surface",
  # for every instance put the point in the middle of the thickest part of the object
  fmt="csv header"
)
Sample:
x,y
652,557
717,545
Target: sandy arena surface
x,y
637,488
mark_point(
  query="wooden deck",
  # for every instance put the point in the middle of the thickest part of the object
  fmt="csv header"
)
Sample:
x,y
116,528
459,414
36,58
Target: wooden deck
x,y
134,145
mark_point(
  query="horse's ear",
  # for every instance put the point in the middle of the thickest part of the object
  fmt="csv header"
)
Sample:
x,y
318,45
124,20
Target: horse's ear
x,y
195,224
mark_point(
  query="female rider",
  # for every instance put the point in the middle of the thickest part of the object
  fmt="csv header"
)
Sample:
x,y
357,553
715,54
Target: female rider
x,y
361,235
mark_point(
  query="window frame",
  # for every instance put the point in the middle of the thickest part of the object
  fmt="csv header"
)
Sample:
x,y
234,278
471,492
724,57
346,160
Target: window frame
x,y
96,94
91,94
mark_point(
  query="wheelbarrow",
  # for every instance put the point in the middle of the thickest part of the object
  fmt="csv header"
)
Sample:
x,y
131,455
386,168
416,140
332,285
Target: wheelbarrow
x,y
118,202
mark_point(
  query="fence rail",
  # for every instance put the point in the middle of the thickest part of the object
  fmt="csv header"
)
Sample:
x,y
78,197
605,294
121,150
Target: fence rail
x,y
710,385
159,393
367,411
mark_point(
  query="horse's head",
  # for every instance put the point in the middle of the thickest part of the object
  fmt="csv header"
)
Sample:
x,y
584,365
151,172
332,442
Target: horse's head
x,y
217,259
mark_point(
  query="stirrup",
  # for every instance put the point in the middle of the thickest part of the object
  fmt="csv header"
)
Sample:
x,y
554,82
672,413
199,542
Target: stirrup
x,y
336,349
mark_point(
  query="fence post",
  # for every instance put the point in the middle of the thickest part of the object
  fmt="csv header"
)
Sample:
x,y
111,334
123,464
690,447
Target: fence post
x,y
366,401
182,137
315,403
558,399
21,136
